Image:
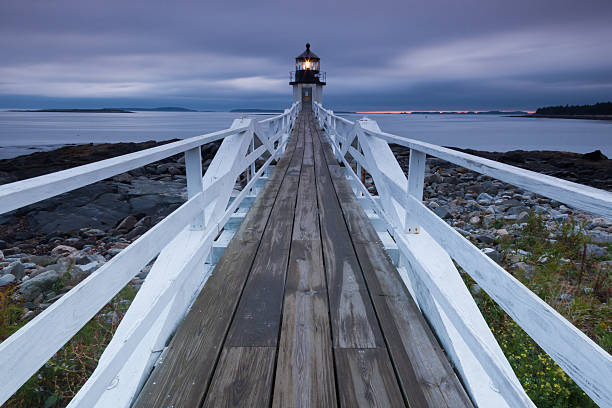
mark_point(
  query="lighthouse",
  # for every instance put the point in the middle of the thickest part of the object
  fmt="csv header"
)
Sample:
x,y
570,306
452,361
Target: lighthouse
x,y
307,80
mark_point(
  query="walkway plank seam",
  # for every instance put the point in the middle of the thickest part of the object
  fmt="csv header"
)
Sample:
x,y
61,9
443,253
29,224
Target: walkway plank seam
x,y
304,307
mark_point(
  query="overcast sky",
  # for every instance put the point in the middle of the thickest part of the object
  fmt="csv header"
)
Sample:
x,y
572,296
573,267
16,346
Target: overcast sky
x,y
447,54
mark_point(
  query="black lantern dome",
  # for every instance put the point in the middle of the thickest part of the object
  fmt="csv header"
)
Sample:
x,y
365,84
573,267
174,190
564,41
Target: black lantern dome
x,y
307,69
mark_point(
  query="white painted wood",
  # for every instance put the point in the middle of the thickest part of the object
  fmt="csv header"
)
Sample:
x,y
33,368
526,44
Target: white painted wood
x,y
227,164
25,192
390,246
381,165
32,345
156,313
425,256
178,268
130,339
220,244
21,193
580,357
489,356
576,195
416,175
193,170
136,329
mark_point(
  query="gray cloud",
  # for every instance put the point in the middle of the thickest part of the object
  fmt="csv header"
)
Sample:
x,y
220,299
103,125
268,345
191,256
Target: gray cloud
x,y
383,55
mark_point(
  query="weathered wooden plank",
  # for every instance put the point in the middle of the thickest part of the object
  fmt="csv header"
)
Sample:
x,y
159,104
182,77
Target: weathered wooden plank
x,y
244,376
366,379
304,375
305,369
183,377
353,320
426,377
424,371
257,318
306,225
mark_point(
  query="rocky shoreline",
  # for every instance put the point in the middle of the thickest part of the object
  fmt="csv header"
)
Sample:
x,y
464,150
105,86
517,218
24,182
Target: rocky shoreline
x,y
48,247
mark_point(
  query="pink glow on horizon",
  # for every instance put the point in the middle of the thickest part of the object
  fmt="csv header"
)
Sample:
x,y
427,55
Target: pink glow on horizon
x,y
442,111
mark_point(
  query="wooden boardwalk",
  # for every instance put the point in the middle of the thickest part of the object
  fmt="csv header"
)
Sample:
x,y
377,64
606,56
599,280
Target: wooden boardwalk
x,y
304,308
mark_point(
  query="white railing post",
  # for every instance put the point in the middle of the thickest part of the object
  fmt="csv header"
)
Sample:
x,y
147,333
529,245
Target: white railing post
x,y
193,169
251,173
416,176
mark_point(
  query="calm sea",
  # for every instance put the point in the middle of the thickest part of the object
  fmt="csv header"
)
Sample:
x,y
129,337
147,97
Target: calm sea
x,y
25,132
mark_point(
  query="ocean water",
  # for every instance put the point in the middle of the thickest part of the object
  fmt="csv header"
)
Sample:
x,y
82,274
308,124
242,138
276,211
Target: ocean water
x,y
499,133
26,132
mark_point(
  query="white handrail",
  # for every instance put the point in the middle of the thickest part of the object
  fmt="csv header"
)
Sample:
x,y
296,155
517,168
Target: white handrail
x,y
576,195
25,192
581,358
31,346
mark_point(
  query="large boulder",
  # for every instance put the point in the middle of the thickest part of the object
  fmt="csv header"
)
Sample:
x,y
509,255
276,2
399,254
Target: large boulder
x,y
31,288
14,268
6,279
62,250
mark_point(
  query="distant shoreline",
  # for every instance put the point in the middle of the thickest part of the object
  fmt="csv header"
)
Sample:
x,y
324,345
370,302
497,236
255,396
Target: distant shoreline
x,y
105,110
584,117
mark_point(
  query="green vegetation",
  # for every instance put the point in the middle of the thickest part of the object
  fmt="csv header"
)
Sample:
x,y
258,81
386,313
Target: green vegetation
x,y
601,108
577,286
64,374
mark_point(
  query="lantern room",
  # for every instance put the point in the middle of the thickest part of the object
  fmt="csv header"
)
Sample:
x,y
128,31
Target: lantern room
x,y
307,79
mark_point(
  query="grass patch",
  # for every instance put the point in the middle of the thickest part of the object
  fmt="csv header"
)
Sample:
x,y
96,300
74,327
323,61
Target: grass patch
x,y
64,374
577,286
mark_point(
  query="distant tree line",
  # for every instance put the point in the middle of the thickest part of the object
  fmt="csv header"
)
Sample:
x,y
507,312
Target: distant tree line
x,y
601,108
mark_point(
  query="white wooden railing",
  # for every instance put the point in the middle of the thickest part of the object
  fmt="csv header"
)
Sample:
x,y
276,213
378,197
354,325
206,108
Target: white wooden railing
x,y
428,246
181,242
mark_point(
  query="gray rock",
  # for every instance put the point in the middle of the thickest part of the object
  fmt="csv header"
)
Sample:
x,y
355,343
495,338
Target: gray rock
x,y
6,279
42,260
596,251
529,270
114,251
442,212
33,287
62,250
145,203
516,210
15,268
145,222
127,224
475,289
523,217
476,188
484,198
94,232
493,254
600,237
123,178
565,297
434,178
488,220
485,238
540,209
1,256
29,265
175,171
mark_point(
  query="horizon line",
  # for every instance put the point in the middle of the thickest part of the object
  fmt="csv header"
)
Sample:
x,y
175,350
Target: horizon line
x,y
447,111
